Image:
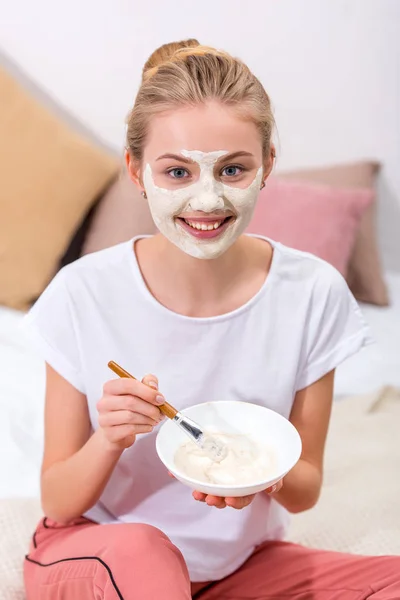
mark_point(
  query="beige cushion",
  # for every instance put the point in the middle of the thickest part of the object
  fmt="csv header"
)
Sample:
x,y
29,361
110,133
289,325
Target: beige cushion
x,y
121,215
365,276
359,506
18,519
51,175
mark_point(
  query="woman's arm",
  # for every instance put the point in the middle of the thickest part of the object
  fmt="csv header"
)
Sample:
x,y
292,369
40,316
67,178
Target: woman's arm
x,y
310,415
76,465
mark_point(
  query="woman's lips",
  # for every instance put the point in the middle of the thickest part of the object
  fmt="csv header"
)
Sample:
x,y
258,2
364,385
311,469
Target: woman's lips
x,y
206,228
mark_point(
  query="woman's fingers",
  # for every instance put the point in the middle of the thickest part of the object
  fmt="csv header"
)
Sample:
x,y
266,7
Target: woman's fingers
x,y
237,503
218,502
275,488
240,502
132,387
125,417
129,407
129,403
150,380
122,432
199,496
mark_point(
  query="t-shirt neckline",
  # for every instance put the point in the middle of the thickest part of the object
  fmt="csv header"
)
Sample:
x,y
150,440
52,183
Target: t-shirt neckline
x,y
130,245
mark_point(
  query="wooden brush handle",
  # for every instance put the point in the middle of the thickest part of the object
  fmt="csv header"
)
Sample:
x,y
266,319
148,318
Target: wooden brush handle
x,y
168,410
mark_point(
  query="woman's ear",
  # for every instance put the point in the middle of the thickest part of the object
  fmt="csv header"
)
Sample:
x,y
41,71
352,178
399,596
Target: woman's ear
x,y
269,162
133,170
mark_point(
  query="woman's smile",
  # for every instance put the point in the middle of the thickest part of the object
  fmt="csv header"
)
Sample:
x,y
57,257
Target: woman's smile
x,y
205,227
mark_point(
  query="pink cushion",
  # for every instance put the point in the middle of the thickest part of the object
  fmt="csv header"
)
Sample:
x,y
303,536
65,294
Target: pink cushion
x,y
319,219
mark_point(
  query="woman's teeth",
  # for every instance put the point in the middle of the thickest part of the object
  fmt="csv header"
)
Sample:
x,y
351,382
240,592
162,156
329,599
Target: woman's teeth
x,y
204,226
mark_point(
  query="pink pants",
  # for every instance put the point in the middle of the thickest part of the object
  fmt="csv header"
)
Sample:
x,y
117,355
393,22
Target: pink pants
x,y
86,561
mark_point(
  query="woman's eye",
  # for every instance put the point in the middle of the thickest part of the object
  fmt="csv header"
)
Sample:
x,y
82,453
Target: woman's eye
x,y
178,173
232,171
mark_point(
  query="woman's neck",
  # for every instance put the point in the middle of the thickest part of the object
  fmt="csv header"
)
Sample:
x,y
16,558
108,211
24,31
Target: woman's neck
x,y
201,288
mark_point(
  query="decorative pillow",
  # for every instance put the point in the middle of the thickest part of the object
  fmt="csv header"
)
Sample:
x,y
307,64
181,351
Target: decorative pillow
x,y
121,214
50,177
313,218
364,276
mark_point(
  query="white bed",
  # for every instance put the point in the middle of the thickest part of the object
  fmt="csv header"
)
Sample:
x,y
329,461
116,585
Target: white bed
x,y
22,388
378,364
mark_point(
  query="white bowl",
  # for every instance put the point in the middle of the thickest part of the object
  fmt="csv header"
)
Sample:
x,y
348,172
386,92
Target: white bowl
x,y
261,424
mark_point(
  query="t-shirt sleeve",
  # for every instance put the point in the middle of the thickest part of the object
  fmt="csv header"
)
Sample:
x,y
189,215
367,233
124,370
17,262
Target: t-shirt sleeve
x,y
335,329
51,329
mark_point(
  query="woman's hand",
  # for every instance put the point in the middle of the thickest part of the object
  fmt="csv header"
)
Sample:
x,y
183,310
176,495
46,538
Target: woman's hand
x,y
238,503
129,407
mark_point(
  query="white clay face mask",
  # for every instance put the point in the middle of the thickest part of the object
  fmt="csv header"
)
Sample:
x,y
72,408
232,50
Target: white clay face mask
x,y
210,238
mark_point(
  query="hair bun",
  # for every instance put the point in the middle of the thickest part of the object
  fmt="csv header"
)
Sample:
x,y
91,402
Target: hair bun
x,y
199,50
164,54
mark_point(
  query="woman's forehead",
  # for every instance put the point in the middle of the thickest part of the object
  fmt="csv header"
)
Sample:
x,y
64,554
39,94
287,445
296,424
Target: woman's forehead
x,y
204,128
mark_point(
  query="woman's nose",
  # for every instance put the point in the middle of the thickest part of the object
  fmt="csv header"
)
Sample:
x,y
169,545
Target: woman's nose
x,y
208,196
207,202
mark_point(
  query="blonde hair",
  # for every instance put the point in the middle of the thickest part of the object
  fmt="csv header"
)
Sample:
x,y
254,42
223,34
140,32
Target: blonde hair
x,y
187,73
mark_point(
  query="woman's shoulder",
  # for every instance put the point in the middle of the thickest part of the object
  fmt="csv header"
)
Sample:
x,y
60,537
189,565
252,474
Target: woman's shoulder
x,y
306,269
104,268
88,281
102,260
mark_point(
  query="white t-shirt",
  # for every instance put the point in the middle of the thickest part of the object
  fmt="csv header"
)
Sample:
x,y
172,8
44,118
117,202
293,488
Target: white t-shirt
x,y
301,324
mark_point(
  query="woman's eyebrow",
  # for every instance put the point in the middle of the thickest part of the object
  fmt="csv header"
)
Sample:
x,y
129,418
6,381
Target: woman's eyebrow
x,y
177,157
188,161
233,155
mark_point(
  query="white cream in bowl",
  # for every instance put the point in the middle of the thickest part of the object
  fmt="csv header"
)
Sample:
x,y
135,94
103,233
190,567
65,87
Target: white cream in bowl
x,y
246,461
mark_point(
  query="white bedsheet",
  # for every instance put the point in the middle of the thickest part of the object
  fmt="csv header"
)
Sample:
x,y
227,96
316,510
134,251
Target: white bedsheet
x,y
22,385
378,364
22,388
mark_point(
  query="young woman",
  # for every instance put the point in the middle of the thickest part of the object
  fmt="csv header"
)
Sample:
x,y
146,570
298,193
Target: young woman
x,y
212,314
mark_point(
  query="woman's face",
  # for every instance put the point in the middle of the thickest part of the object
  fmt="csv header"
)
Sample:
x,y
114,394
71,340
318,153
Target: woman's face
x,y
202,171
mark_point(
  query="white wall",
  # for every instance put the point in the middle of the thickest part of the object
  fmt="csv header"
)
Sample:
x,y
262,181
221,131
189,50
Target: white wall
x,y
332,68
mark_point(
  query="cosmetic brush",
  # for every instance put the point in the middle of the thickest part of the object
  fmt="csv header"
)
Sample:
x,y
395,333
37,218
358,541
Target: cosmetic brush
x,y
210,446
